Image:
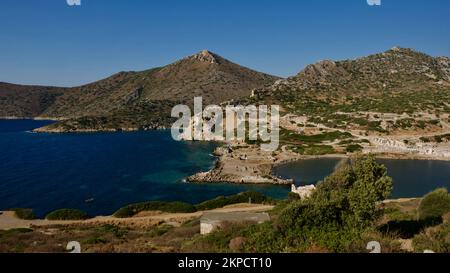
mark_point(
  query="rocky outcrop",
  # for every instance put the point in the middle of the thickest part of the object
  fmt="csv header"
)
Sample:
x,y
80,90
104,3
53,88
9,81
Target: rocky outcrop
x,y
206,56
323,72
444,64
241,165
216,176
304,192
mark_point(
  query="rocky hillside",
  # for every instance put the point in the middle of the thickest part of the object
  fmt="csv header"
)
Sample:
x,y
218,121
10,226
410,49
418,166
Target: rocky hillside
x,y
398,100
329,92
398,80
135,99
26,101
395,69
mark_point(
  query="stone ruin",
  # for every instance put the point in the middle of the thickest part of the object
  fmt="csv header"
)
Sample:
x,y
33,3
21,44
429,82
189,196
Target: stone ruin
x,y
304,192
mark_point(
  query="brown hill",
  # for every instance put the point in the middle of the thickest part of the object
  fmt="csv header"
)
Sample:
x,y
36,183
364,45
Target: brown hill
x,y
137,93
26,101
399,79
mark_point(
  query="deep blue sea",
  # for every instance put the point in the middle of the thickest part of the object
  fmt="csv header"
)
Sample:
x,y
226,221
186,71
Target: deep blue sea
x,y
51,171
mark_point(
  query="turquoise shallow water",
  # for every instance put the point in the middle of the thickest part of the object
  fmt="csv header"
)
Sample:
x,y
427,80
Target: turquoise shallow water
x,y
412,178
51,171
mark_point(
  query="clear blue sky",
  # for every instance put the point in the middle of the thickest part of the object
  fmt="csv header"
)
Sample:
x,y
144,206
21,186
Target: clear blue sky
x,y
48,42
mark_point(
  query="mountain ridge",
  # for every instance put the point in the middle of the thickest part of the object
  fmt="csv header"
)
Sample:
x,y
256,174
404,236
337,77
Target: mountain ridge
x,y
204,73
389,61
143,99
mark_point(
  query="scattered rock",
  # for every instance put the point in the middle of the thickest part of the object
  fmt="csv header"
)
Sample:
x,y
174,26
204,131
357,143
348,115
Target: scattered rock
x,y
237,243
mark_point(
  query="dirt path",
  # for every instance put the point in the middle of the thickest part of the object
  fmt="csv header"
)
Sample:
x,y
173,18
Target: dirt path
x,y
8,220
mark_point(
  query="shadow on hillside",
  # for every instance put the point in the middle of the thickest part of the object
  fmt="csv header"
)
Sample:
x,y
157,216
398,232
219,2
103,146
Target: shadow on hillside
x,y
407,229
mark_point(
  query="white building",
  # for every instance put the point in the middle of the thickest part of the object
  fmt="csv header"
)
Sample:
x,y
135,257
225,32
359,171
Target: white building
x,y
304,192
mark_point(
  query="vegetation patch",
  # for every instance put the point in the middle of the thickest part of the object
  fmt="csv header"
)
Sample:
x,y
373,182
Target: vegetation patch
x,y
438,138
436,239
159,231
180,207
354,141
435,204
313,149
334,219
95,241
222,201
24,214
67,214
170,207
289,136
116,231
353,148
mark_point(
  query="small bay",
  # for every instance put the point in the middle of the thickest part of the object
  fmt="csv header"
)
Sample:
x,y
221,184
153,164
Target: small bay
x,y
101,172
412,178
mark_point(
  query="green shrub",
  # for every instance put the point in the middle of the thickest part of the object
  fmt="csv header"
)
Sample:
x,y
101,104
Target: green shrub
x,y
435,204
159,231
24,214
395,214
170,207
341,209
353,148
335,218
180,207
95,241
222,201
314,149
290,136
67,214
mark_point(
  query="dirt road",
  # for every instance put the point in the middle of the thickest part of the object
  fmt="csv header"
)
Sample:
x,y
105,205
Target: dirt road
x,y
8,220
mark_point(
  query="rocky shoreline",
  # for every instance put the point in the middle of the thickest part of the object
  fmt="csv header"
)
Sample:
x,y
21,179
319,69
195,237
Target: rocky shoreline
x,y
32,118
247,164
215,176
398,156
60,130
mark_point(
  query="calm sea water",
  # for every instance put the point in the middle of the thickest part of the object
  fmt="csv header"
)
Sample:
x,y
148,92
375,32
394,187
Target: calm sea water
x,y
412,178
52,171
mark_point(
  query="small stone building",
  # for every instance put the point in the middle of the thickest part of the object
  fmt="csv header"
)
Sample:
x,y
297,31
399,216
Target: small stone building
x,y
304,192
212,221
